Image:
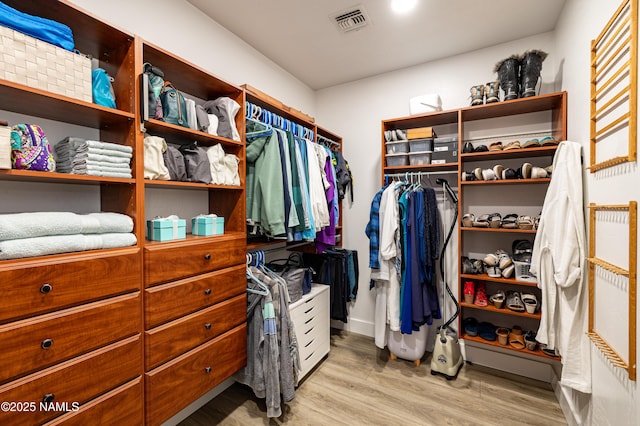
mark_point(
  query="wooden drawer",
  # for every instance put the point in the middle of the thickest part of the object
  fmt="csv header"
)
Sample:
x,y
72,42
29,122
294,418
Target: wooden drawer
x,y
167,302
122,406
176,384
173,260
78,380
34,287
170,340
38,342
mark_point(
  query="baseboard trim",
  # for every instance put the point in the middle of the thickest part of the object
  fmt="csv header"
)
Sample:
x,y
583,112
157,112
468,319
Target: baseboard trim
x,y
357,326
198,403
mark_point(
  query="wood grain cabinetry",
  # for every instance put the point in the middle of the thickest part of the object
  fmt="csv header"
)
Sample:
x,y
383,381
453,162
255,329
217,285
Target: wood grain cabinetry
x,y
520,119
195,297
71,324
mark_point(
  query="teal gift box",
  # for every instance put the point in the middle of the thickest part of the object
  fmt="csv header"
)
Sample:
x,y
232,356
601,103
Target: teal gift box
x,y
166,229
207,225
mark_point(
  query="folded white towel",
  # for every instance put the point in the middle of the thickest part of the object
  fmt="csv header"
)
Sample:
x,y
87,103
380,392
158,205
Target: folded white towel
x,y
109,146
55,244
106,152
85,163
98,157
85,168
103,174
38,224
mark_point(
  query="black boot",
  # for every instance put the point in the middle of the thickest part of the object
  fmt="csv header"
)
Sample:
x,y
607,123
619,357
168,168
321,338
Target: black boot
x,y
508,71
530,67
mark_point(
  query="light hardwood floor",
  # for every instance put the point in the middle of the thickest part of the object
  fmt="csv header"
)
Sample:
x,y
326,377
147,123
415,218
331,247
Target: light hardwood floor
x,y
357,384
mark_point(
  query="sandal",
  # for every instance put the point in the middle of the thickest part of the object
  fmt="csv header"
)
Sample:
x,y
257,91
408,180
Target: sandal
x,y
481,295
538,173
531,143
469,291
495,220
514,301
491,259
494,272
512,145
550,352
516,339
470,326
482,221
522,250
504,259
548,141
498,299
510,221
467,220
530,302
495,146
508,271
525,222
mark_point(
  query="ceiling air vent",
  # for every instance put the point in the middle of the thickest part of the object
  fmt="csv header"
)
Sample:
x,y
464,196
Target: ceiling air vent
x,y
351,19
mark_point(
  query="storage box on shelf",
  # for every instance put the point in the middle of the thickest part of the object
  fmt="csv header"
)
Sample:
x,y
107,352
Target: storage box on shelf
x,y
48,303
195,297
545,114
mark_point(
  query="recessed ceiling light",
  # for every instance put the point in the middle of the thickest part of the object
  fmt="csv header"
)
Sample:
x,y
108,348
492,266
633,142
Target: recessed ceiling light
x,y
403,6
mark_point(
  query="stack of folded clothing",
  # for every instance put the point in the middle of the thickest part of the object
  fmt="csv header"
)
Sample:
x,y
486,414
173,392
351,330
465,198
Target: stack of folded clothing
x,y
94,158
44,233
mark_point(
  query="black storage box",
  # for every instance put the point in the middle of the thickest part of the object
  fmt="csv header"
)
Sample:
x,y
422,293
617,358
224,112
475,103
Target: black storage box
x,y
445,150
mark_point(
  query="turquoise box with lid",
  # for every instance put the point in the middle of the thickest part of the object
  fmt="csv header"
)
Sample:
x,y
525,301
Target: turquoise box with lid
x,y
207,225
166,228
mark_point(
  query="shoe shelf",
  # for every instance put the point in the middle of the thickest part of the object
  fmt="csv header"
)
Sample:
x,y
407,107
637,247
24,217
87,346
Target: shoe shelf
x,y
543,151
485,277
554,102
498,230
496,344
506,311
507,181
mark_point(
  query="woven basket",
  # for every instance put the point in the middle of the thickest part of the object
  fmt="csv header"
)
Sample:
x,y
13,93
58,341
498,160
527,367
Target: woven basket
x,y
38,64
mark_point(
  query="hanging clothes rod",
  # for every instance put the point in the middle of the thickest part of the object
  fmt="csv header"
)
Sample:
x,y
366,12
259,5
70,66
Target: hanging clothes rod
x,y
322,139
418,174
268,117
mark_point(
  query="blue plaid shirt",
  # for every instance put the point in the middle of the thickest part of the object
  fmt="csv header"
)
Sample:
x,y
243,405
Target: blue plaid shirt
x,y
373,230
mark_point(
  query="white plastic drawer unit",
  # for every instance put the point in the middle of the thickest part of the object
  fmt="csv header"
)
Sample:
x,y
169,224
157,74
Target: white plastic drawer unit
x,y
310,317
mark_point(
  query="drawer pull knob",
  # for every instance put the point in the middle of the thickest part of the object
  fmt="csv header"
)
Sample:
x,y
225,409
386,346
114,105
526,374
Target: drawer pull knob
x,y
48,398
207,370
207,326
207,256
46,343
46,288
207,291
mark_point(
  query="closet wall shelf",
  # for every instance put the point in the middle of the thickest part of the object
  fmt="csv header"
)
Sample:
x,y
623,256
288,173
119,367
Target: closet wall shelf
x,y
422,168
264,100
506,311
53,177
507,181
544,151
161,128
188,185
499,230
546,102
27,100
485,277
537,352
192,238
422,120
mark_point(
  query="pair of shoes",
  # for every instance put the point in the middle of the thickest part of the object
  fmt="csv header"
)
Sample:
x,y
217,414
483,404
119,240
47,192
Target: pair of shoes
x,y
470,326
499,264
472,266
395,135
487,93
525,222
535,143
512,145
522,250
475,293
510,221
495,146
503,335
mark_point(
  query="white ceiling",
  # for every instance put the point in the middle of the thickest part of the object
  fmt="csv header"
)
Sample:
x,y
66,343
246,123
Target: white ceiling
x,y
301,37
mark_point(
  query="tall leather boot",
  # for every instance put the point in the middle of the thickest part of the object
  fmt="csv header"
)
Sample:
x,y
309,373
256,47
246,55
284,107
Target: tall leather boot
x,y
508,72
477,95
492,91
530,67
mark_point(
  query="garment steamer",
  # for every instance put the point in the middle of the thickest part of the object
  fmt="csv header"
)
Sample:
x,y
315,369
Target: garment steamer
x,y
447,358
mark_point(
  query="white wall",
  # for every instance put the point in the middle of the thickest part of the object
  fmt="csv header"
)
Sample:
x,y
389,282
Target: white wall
x,y
355,110
615,399
203,42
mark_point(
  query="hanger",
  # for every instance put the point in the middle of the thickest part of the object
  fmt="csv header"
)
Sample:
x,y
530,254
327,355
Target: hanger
x,y
266,131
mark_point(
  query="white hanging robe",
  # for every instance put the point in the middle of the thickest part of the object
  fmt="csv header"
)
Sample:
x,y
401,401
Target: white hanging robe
x,y
558,261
